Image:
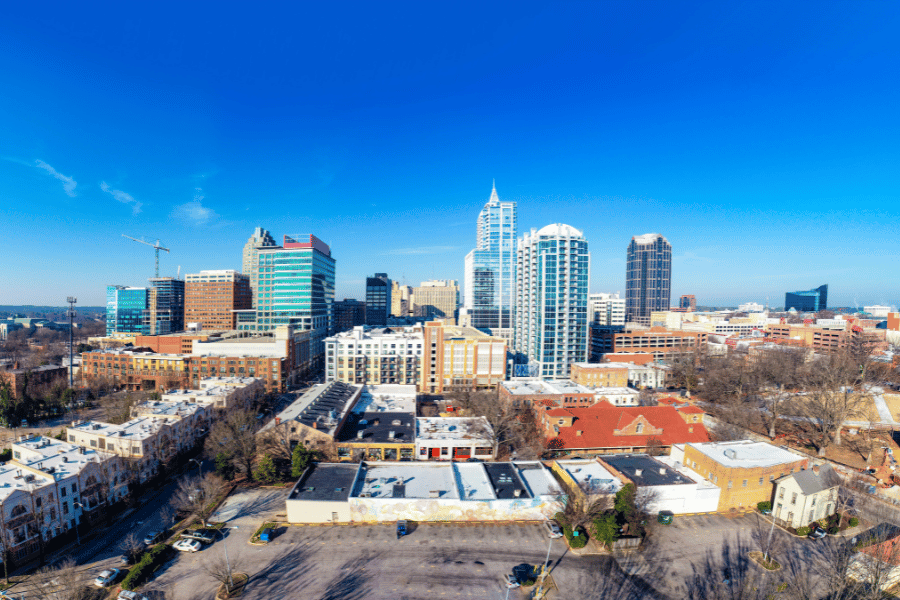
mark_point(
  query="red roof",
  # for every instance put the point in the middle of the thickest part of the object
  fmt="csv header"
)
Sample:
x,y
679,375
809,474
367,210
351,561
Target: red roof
x,y
598,423
887,551
691,410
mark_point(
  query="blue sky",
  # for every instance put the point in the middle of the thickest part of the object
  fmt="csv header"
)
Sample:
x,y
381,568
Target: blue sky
x,y
759,138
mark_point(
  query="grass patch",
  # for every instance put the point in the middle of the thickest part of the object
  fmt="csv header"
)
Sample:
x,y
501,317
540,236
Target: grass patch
x,y
769,565
259,531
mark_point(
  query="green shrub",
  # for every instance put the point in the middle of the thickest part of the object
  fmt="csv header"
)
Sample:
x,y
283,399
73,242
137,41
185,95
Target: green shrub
x,y
764,506
854,521
606,529
561,519
149,562
803,531
6,455
834,529
529,582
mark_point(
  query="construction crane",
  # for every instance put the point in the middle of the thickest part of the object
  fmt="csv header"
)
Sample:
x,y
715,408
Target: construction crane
x,y
155,247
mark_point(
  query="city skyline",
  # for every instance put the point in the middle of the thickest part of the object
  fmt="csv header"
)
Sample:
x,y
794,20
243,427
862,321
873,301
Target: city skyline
x,y
767,164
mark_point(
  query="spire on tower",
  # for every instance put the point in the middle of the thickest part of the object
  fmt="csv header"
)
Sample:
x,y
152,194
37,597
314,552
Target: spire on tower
x,y
494,197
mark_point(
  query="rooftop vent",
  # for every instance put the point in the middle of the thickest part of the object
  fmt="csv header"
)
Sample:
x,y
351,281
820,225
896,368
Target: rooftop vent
x,y
434,494
359,435
638,472
517,493
731,453
662,470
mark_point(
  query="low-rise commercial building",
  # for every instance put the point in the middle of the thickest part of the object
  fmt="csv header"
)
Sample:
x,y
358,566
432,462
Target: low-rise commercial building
x,y
381,425
744,470
373,492
456,438
587,479
523,391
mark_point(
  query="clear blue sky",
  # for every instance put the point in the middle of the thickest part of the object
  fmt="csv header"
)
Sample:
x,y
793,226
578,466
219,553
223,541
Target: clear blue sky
x,y
760,138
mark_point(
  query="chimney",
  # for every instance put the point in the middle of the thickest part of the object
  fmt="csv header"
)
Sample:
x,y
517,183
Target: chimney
x,y
315,425
815,469
578,432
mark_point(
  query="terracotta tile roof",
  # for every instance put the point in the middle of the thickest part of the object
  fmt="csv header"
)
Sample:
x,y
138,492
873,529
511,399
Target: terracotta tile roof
x,y
887,551
691,410
599,422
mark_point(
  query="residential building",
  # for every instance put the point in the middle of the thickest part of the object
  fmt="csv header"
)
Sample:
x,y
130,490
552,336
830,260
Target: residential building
x,y
804,497
744,470
808,301
147,442
604,428
188,419
458,358
664,484
295,287
165,306
454,438
378,299
688,302
553,269
250,261
490,270
211,297
135,369
525,391
125,308
595,375
348,314
648,277
647,376
34,380
658,341
606,315
225,393
374,356
437,299
374,492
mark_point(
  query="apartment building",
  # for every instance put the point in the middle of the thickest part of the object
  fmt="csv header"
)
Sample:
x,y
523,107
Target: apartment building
x,y
211,297
437,299
600,374
458,358
375,355
31,380
135,369
147,442
744,470
660,342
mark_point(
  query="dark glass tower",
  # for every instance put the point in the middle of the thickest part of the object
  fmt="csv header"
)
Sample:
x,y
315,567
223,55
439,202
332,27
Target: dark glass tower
x,y
648,277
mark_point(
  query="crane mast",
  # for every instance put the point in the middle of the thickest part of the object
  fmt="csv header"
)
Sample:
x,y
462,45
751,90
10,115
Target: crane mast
x,y
156,247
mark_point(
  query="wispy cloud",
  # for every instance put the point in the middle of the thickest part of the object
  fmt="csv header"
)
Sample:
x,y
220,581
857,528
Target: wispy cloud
x,y
420,250
692,257
193,212
123,197
68,183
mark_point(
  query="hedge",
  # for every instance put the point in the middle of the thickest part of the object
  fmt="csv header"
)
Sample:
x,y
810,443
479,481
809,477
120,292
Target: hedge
x,y
149,562
766,505
801,531
575,542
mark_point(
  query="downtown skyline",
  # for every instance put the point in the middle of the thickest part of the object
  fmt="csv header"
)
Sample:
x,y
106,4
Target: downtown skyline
x,y
763,181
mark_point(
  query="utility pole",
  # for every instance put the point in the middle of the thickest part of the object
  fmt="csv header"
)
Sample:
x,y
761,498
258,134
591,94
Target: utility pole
x,y
71,300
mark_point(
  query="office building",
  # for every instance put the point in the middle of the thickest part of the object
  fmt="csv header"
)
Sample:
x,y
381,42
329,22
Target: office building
x,y
688,303
250,263
348,313
490,270
606,315
553,268
877,311
437,299
378,299
461,358
648,277
295,287
165,306
211,297
375,356
808,301
751,307
125,308
658,341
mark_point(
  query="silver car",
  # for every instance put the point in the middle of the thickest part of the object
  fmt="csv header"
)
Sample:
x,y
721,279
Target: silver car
x,y
554,530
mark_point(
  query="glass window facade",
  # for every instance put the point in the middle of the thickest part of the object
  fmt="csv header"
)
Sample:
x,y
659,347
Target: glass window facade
x,y
125,308
648,277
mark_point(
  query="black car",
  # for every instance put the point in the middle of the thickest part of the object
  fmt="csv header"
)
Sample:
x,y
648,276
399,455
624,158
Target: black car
x,y
817,533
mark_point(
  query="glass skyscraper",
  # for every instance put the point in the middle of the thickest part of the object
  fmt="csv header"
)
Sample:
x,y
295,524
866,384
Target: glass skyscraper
x,y
490,275
808,301
165,306
249,263
553,271
125,308
648,277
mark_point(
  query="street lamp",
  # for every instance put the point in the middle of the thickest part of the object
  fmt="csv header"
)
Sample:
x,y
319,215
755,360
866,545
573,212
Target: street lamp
x,y
227,562
199,471
76,521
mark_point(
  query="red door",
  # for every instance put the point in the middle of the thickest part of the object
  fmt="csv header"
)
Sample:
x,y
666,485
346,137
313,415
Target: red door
x,y
435,453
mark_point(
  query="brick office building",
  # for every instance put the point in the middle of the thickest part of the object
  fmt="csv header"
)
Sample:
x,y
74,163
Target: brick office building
x,y
211,297
21,381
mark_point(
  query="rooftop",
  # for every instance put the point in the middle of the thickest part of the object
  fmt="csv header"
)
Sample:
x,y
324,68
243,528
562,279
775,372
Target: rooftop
x,y
591,476
365,332
506,481
527,387
583,365
323,406
746,454
406,480
167,408
326,482
645,470
139,428
386,398
454,428
57,459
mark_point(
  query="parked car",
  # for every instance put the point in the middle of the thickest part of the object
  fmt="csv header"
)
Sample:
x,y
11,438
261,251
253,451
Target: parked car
x,y
152,538
129,595
511,581
125,560
207,536
106,577
187,545
401,529
554,530
267,535
817,533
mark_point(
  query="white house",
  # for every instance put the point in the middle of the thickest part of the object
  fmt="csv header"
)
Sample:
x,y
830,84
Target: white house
x,y
806,496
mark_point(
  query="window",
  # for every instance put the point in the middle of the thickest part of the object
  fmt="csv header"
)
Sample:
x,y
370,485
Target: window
x,y
639,428
760,481
813,503
794,498
744,484
62,492
74,488
729,485
66,508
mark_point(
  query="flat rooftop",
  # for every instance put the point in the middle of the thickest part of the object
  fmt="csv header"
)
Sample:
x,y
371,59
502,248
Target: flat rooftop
x,y
537,478
584,365
379,428
746,454
386,398
139,428
644,470
168,408
326,482
591,476
526,387
506,481
324,404
453,428
474,482
407,480
614,390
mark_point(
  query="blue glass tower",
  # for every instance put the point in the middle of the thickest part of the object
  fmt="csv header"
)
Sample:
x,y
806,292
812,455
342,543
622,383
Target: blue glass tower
x,y
808,301
490,279
125,308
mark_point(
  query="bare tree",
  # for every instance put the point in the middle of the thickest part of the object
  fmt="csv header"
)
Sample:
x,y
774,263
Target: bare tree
x,y
831,399
222,568
131,546
583,506
58,582
194,495
235,435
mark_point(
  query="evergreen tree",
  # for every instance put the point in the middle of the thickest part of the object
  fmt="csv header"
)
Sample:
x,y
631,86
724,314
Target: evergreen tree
x,y
224,468
266,472
301,459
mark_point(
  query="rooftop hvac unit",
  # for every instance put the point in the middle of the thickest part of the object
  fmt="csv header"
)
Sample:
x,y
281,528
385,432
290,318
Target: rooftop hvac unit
x,y
662,470
359,435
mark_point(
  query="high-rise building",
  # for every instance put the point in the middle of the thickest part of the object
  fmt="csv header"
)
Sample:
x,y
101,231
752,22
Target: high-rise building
x,y
211,297
606,315
648,278
348,313
295,287
688,302
378,299
461,358
375,356
260,239
437,299
808,301
165,306
490,275
125,308
551,314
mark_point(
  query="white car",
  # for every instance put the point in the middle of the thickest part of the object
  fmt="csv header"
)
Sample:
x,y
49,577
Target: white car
x,y
553,529
129,595
106,577
187,545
